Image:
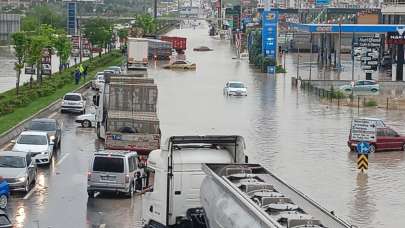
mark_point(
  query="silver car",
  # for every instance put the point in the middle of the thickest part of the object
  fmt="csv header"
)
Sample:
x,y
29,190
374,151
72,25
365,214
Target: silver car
x,y
19,170
113,171
362,86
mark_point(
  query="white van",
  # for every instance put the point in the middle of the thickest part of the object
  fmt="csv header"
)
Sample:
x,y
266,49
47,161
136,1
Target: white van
x,y
113,171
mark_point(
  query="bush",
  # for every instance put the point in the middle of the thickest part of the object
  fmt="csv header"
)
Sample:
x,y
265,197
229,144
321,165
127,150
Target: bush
x,y
371,103
280,69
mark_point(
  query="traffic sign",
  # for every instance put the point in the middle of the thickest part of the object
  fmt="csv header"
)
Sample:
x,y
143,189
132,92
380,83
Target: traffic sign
x,y
368,71
363,130
363,148
362,162
365,58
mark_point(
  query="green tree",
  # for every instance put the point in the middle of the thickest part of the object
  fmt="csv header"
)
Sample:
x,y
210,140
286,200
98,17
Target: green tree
x,y
29,23
36,45
19,40
99,32
146,22
122,34
63,48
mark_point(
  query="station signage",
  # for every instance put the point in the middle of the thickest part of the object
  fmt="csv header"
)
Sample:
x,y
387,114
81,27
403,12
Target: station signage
x,y
395,38
269,33
369,58
363,130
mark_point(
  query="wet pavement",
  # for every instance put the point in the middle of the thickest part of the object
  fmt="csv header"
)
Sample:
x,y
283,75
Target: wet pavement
x,y
286,130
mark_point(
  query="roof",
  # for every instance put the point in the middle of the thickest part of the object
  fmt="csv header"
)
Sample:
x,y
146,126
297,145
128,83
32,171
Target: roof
x,y
346,28
13,153
79,94
44,120
34,133
236,82
115,152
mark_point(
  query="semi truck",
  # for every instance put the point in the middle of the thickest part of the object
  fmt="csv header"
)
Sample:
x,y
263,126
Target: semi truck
x,y
126,113
174,175
137,55
158,49
178,43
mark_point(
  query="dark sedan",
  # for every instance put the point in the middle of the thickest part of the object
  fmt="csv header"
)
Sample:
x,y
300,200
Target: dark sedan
x,y
51,126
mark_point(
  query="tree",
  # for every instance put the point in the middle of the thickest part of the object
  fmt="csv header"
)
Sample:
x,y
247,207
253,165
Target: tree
x,y
123,34
19,40
146,22
29,23
63,47
36,46
99,32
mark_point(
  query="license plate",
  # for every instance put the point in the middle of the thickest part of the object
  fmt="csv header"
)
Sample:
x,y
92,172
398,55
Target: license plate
x,y
71,103
108,178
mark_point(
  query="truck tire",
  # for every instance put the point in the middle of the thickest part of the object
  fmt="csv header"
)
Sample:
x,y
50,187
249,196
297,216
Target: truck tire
x,y
90,194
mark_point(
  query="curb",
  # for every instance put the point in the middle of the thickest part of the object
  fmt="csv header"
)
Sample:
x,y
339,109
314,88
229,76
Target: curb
x,y
17,129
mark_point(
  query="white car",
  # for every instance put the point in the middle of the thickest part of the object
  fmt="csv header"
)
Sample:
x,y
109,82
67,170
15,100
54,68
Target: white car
x,y
73,102
87,120
116,69
98,81
235,88
37,143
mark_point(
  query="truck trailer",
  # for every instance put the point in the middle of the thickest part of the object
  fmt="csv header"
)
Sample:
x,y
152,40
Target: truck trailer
x,y
137,54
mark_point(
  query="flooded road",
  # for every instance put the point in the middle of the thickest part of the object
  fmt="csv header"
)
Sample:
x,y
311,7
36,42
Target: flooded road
x,y
286,130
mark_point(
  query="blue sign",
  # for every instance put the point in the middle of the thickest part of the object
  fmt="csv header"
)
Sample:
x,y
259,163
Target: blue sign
x,y
322,2
71,18
363,148
271,70
269,33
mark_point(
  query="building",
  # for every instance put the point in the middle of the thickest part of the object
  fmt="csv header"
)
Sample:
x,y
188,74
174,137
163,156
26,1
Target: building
x,y
9,23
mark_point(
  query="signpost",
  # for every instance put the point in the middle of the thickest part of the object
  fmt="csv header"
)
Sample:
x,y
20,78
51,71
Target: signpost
x,y
363,130
370,57
269,34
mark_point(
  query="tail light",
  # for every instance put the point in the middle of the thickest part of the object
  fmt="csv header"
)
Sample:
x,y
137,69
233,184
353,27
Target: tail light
x,y
126,178
88,176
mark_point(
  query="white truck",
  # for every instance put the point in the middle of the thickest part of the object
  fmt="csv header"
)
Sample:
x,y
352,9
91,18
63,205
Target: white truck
x,y
174,176
137,54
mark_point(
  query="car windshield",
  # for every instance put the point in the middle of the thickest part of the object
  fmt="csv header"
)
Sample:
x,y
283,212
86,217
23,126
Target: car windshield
x,y
12,162
32,140
72,98
236,85
108,164
42,126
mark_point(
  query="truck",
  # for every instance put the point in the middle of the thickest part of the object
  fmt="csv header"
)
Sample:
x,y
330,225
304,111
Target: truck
x,y
248,195
158,49
174,176
126,116
137,56
178,43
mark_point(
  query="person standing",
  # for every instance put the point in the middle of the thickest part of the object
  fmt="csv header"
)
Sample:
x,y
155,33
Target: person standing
x,y
77,76
85,72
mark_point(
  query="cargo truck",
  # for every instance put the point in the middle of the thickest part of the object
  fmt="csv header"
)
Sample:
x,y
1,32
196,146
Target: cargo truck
x,y
174,175
137,56
178,43
126,113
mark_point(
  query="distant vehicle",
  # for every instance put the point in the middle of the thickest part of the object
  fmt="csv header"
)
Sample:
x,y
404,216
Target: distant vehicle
x,y
116,69
235,88
362,85
4,192
137,58
86,53
75,52
5,220
387,139
73,102
202,48
359,50
180,64
51,126
18,169
37,143
87,120
98,81
112,171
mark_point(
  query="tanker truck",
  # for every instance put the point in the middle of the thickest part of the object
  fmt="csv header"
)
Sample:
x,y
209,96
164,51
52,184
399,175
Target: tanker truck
x,y
174,176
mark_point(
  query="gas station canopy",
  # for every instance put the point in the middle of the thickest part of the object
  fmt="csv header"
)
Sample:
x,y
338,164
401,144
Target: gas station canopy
x,y
348,28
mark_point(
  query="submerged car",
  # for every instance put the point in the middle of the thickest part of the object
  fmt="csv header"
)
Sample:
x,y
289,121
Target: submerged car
x,y
50,126
116,69
37,143
18,169
235,88
387,140
363,86
202,48
87,120
180,64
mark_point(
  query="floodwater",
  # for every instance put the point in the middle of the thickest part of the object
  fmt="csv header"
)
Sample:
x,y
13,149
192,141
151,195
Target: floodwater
x,y
286,130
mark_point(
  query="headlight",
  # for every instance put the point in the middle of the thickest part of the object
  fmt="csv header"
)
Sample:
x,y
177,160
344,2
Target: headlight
x,y
21,179
44,152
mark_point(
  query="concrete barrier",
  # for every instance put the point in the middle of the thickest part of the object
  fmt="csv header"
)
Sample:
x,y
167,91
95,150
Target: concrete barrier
x,y
54,106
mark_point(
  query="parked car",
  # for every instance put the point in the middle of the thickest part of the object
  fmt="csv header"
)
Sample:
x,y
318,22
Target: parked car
x,y
87,120
180,64
106,72
73,102
51,126
5,220
116,69
37,143
112,171
387,139
202,48
362,85
98,81
4,192
386,61
18,169
235,88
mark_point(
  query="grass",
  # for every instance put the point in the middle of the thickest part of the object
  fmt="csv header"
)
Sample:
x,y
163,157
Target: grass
x,y
9,120
371,103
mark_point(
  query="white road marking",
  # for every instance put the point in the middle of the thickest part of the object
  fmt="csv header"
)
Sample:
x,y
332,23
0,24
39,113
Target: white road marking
x,y
30,192
63,158
7,145
52,115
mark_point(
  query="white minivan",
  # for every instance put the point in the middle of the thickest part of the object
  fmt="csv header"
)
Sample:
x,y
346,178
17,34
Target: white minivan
x,y
73,102
113,171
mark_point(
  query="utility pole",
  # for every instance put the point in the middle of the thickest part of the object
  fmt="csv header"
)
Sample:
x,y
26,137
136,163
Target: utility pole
x,y
310,60
155,10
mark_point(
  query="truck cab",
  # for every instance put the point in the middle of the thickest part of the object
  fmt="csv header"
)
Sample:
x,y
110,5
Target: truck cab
x,y
174,176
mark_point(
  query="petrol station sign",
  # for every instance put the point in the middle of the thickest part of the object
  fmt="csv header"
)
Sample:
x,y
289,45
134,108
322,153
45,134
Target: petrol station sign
x,y
269,33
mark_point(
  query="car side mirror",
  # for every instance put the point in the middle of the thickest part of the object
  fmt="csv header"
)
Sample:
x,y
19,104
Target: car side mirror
x,y
32,165
13,141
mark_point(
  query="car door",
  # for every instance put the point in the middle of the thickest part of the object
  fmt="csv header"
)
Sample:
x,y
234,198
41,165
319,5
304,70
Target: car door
x,y
359,86
382,141
393,139
30,166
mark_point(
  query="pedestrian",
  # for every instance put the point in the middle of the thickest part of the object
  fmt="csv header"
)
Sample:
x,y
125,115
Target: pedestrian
x,y
77,76
75,59
85,72
81,69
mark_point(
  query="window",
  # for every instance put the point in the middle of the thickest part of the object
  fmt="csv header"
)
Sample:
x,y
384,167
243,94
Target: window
x,y
33,140
150,178
108,164
359,83
380,132
391,133
131,164
236,85
42,126
72,98
12,162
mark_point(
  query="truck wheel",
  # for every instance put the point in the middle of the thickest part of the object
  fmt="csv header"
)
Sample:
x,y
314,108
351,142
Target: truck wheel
x,y
91,194
86,124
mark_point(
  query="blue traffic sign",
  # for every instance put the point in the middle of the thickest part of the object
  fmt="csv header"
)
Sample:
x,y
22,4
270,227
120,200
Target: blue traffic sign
x,y
363,148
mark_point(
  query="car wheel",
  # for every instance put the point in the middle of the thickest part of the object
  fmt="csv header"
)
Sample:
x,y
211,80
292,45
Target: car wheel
x,y
86,124
90,194
130,192
403,147
372,148
373,90
186,68
27,187
3,201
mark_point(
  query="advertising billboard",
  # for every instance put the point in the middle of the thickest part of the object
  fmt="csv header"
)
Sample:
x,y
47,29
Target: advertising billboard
x,y
269,33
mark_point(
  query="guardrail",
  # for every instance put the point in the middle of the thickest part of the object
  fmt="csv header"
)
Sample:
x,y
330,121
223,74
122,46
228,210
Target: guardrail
x,y
16,130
